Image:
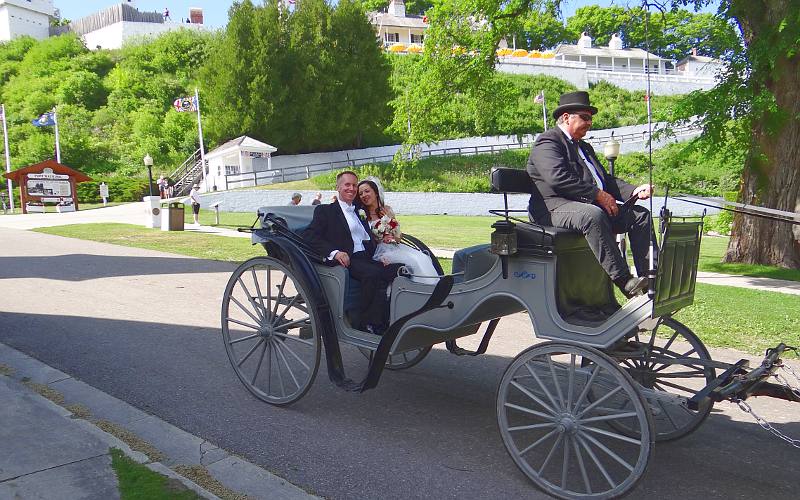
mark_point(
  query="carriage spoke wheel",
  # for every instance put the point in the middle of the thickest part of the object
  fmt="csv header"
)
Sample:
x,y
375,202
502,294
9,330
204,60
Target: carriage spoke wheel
x,y
270,331
666,367
400,361
558,436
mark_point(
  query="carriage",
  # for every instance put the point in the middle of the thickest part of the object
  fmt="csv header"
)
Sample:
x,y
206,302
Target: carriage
x,y
579,413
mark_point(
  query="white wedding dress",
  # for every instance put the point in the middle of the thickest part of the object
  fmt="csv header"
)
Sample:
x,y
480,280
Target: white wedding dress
x,y
418,263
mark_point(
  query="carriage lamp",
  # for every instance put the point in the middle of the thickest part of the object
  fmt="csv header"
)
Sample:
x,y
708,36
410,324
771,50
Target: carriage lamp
x,y
611,152
504,238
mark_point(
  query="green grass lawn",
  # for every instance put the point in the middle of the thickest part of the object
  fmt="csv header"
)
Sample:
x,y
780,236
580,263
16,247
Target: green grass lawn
x,y
137,482
723,316
452,232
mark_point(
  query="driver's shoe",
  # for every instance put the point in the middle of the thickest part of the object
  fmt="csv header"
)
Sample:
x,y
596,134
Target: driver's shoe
x,y
632,286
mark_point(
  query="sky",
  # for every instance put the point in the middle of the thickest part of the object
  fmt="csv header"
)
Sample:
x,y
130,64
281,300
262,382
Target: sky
x,y
215,12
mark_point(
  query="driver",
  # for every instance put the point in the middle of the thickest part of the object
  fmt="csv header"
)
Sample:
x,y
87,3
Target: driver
x,y
575,192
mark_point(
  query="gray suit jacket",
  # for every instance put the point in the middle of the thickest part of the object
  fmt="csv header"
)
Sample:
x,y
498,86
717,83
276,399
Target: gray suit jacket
x,y
559,175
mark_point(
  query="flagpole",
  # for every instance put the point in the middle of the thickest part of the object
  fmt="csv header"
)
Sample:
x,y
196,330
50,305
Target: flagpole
x,y
544,112
8,158
200,134
55,122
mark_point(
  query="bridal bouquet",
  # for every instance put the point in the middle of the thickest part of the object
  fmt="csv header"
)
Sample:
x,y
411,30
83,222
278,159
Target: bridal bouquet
x,y
386,225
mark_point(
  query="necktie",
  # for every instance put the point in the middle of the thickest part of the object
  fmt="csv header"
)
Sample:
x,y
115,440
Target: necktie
x,y
586,163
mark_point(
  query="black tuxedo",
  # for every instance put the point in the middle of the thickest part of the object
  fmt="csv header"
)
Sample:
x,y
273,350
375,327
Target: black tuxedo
x,y
329,231
560,176
564,196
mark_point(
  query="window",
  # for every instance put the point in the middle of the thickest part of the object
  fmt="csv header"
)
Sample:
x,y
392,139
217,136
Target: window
x,y
391,37
231,169
417,38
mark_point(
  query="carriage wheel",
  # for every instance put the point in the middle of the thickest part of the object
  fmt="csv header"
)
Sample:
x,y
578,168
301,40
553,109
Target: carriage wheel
x,y
270,331
666,368
401,361
557,436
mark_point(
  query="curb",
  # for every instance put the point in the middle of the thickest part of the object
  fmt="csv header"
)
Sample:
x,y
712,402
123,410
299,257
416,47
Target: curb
x,y
177,446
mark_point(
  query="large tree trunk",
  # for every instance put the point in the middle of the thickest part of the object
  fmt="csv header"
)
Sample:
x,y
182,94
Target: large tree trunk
x,y
772,170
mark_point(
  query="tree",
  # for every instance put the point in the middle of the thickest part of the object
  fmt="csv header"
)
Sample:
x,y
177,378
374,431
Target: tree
x,y
310,79
759,89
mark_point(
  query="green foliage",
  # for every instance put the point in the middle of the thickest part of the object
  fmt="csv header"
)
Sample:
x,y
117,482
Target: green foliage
x,y
307,80
119,189
687,168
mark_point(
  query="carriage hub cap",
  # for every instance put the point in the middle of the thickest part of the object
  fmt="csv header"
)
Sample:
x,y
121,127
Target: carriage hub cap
x,y
567,424
266,330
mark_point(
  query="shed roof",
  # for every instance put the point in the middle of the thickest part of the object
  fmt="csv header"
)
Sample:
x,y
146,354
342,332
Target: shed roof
x,y
241,142
57,168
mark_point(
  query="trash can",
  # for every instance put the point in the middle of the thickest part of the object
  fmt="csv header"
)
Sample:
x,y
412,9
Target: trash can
x,y
172,216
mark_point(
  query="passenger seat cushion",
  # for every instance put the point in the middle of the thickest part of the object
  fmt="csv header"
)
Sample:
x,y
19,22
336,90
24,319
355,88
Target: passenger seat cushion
x,y
474,262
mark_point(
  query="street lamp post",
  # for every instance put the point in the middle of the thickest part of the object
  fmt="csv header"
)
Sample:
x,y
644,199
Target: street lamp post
x,y
148,162
611,152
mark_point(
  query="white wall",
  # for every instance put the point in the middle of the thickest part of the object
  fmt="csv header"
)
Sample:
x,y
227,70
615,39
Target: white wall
x,y
572,71
659,84
113,36
33,19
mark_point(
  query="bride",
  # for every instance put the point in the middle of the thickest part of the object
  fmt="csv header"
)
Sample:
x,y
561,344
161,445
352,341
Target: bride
x,y
389,250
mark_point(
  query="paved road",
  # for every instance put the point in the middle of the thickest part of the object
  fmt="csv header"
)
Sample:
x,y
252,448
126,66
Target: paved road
x,y
143,326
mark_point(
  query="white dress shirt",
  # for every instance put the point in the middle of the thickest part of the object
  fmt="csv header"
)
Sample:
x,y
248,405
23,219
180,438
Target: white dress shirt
x,y
357,231
589,163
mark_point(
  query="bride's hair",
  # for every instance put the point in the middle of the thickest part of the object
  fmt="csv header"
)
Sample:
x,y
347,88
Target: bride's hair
x,y
377,192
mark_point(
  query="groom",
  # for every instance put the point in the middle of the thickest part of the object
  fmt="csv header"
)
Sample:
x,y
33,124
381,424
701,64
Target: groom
x,y
339,235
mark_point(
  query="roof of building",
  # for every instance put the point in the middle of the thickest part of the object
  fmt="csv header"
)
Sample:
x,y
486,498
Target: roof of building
x,y
409,21
56,167
699,59
575,50
242,142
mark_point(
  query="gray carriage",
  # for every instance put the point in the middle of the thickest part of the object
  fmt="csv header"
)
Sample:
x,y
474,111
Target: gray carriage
x,y
579,412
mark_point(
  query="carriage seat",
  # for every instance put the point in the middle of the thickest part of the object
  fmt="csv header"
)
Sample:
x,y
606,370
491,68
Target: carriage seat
x,y
534,236
298,218
472,262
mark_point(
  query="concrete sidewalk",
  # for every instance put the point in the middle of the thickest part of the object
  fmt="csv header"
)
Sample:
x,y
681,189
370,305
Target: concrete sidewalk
x,y
54,451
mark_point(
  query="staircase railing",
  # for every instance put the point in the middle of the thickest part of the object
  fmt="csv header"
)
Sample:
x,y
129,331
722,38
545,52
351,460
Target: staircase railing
x,y
187,174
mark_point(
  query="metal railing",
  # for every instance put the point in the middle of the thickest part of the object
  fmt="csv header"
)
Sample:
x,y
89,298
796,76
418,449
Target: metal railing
x,y
301,172
189,172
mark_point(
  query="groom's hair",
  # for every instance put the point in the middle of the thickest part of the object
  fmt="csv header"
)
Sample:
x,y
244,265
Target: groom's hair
x,y
341,174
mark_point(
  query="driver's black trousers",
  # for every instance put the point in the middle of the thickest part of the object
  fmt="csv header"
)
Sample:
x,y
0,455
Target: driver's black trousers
x,y
599,230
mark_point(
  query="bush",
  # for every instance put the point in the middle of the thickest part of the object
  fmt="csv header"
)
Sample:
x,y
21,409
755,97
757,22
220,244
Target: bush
x,y
119,189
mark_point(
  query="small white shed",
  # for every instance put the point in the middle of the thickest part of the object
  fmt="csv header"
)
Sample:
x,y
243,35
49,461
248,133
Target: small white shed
x,y
237,162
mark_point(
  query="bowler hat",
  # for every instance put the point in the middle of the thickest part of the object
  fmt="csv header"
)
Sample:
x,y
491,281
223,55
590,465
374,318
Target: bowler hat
x,y
573,101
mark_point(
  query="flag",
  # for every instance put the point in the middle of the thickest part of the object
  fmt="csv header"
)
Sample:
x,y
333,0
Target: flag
x,y
539,99
185,104
45,120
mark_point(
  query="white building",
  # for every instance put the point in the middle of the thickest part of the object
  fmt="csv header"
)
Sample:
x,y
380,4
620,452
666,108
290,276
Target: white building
x,y
236,163
110,28
699,65
25,17
612,58
395,26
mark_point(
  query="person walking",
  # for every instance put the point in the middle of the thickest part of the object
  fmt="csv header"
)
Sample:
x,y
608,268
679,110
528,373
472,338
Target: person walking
x,y
194,195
